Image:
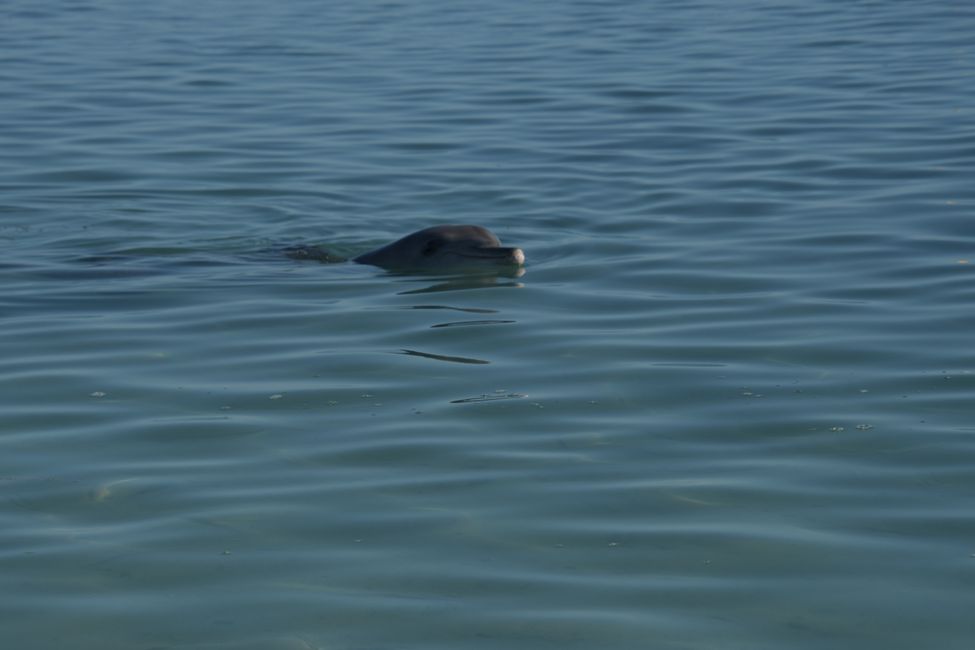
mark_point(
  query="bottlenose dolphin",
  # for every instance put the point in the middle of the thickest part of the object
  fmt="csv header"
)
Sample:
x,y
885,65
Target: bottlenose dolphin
x,y
443,248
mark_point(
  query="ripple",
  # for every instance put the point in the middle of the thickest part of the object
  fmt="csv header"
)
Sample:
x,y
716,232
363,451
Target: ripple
x,y
730,399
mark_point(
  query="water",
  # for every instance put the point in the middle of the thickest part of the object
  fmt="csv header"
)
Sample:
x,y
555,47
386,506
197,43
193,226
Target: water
x,y
728,405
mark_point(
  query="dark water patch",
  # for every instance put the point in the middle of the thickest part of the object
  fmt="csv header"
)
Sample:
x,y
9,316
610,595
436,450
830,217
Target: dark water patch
x,y
473,310
463,284
499,395
473,323
443,357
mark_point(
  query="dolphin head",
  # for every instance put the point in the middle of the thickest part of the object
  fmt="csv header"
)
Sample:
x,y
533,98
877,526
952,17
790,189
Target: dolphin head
x,y
444,248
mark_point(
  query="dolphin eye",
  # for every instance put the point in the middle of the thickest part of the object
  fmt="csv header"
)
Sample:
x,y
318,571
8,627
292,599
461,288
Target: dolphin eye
x,y
431,247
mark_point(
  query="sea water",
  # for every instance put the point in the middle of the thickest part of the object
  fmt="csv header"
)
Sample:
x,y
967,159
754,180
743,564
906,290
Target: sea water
x,y
729,404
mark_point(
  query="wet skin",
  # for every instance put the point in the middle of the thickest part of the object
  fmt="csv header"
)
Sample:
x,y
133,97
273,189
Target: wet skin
x,y
445,248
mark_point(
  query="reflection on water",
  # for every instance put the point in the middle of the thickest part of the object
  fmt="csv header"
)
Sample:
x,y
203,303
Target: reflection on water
x,y
499,395
473,310
442,357
463,282
468,323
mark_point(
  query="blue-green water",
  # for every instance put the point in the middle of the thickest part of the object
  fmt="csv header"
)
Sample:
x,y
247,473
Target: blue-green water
x,y
728,405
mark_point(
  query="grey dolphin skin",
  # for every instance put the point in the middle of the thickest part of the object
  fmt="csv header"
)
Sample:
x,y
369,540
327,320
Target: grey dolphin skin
x,y
443,248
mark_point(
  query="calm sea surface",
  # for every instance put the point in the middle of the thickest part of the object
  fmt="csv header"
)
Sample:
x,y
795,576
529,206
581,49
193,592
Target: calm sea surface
x,y
730,404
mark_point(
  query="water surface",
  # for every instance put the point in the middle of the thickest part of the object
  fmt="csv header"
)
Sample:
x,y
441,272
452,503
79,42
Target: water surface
x,y
729,404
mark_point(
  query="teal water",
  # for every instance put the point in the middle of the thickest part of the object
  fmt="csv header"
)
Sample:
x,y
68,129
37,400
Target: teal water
x,y
728,405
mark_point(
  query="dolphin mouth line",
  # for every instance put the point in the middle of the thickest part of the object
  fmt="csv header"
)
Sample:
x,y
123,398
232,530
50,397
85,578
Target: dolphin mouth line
x,y
498,253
